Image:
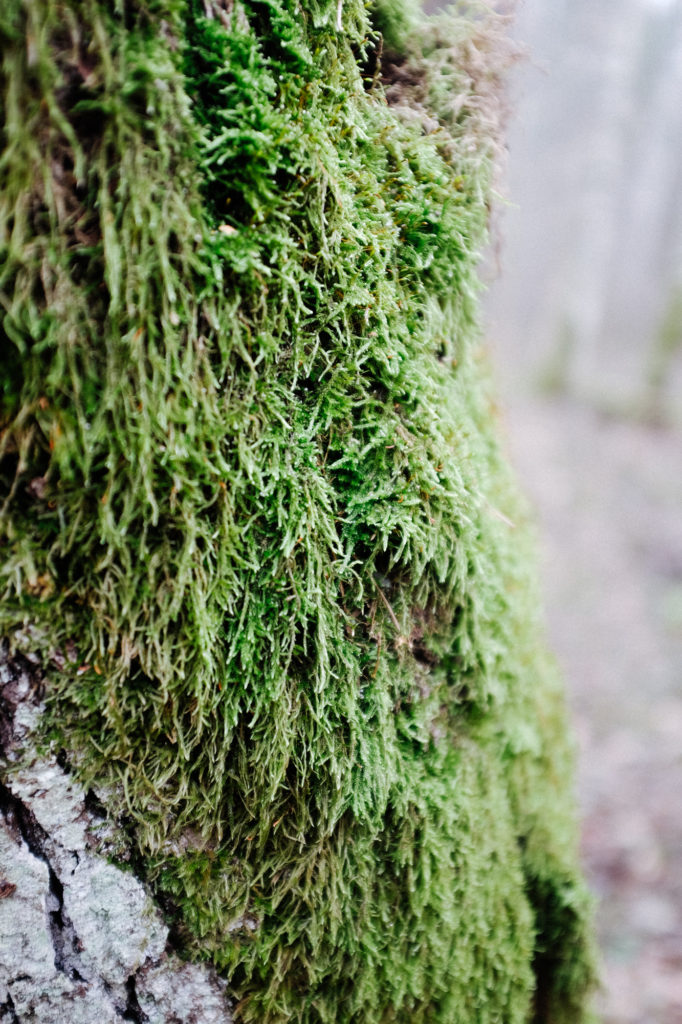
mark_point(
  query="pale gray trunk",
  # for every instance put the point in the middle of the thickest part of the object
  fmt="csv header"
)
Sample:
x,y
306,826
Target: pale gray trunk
x,y
81,940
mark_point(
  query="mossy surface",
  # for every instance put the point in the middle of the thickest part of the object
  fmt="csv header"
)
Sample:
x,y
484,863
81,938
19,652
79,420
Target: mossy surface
x,y
254,514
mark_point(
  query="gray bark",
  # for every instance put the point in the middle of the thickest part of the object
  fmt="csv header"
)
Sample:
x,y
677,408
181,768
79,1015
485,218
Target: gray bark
x,y
81,939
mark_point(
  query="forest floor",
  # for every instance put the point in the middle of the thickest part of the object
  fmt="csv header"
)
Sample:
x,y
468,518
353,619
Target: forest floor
x,y
607,495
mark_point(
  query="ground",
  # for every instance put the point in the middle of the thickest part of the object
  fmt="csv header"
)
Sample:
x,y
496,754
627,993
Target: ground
x,y
608,498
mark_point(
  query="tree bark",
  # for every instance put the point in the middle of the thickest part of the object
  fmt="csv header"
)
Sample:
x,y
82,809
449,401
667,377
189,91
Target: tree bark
x,y
260,539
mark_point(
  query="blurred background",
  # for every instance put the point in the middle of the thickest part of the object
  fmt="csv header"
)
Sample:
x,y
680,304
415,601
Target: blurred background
x,y
585,322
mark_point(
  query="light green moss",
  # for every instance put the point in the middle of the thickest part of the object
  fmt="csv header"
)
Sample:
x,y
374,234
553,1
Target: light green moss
x,y
255,517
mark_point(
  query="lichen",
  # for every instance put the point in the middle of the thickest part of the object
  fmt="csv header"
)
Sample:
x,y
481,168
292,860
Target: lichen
x,y
254,508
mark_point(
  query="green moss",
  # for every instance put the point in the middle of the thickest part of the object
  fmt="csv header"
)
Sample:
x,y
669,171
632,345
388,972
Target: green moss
x,y
254,512
396,21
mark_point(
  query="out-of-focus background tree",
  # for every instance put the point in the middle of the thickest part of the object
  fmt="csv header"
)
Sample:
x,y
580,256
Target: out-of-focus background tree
x,y
591,298
585,319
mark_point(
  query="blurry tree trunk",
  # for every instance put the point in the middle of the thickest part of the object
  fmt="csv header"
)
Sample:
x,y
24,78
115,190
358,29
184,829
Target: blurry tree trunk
x,y
595,249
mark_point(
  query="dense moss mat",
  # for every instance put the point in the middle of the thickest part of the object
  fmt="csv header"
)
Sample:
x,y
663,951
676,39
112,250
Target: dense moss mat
x,y
254,515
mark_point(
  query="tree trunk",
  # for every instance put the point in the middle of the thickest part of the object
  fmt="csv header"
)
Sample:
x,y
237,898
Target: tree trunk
x,y
261,550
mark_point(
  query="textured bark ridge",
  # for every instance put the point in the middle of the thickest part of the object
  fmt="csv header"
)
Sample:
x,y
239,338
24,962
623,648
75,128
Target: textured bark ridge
x,y
81,940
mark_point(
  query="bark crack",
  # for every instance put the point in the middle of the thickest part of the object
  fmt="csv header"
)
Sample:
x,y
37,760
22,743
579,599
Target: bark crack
x,y
22,824
133,1012
8,1015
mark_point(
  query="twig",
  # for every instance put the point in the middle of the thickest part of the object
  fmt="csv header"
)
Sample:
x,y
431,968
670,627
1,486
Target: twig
x,y
394,619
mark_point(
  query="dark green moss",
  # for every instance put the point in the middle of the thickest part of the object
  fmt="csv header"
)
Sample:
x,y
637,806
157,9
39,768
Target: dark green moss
x,y
254,512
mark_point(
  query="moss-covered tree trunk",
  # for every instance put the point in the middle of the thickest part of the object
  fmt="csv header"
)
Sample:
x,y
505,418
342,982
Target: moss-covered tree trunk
x,y
256,526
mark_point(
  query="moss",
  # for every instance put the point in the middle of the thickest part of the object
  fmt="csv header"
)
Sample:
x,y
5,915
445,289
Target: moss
x,y
396,22
254,512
